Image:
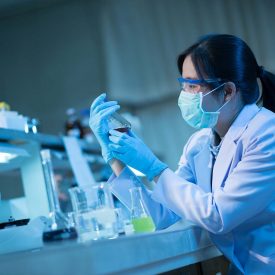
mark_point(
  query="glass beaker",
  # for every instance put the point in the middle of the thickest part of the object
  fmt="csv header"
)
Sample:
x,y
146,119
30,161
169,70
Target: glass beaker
x,y
95,216
140,217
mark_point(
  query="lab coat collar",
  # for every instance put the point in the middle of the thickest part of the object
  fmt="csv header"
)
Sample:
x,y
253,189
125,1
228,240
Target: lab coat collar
x,y
227,150
239,125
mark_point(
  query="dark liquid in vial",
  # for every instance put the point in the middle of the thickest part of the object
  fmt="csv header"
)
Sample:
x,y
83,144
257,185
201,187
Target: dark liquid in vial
x,y
121,130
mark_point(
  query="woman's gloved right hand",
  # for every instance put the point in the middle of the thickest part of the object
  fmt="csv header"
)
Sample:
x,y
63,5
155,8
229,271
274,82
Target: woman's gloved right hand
x,y
99,113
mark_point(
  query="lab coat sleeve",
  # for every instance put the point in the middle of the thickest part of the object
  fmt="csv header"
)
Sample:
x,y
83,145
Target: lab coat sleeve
x,y
245,193
186,163
184,169
162,216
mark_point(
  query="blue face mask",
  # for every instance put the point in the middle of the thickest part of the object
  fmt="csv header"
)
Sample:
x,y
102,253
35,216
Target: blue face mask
x,y
192,112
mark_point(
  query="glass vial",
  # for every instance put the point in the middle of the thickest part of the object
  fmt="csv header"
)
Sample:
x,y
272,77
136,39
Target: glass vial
x,y
119,123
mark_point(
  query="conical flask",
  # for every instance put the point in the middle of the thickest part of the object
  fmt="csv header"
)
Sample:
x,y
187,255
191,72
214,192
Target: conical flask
x,y
140,217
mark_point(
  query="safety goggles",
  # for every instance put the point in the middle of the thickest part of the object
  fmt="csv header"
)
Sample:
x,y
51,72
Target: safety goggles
x,y
195,85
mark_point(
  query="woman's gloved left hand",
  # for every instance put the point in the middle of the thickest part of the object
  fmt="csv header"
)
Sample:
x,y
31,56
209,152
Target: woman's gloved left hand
x,y
132,151
99,113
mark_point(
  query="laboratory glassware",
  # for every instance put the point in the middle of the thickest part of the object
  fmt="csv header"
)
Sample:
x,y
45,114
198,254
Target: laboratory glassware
x,y
57,227
94,213
119,123
140,217
58,219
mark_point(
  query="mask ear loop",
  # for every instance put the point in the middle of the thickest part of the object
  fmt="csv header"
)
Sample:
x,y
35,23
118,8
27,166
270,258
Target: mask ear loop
x,y
223,105
203,95
214,89
225,102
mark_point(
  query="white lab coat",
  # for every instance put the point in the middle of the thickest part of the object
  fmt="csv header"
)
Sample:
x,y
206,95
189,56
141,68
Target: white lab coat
x,y
238,209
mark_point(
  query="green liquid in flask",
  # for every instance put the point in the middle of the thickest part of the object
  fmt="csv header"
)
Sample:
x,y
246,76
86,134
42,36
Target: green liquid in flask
x,y
144,224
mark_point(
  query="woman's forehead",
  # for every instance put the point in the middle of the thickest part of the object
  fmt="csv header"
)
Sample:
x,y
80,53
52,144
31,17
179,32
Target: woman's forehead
x,y
188,69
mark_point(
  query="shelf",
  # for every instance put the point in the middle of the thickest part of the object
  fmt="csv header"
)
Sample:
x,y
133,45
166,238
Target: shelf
x,y
45,140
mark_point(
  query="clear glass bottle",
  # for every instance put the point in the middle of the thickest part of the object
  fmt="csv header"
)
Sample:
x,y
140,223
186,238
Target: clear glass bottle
x,y
140,217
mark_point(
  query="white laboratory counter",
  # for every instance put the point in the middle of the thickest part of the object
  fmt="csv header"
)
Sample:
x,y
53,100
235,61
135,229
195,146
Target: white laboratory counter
x,y
135,254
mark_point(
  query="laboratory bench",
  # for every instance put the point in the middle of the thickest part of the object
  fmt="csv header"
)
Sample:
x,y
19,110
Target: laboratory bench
x,y
151,253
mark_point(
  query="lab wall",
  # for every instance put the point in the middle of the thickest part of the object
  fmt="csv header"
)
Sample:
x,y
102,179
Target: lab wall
x,y
65,54
164,130
51,59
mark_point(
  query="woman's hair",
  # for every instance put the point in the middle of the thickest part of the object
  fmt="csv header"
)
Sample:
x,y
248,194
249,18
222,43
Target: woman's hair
x,y
229,58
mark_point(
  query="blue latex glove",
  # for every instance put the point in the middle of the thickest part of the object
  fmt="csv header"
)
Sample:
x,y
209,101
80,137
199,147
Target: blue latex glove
x,y
132,151
99,113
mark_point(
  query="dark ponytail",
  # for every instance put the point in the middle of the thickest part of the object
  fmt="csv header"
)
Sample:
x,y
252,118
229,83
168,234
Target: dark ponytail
x,y
268,88
229,58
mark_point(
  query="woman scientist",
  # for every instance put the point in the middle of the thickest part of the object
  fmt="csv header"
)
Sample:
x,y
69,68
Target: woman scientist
x,y
225,181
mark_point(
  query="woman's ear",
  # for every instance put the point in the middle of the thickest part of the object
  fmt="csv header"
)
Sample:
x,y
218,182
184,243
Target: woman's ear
x,y
229,90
